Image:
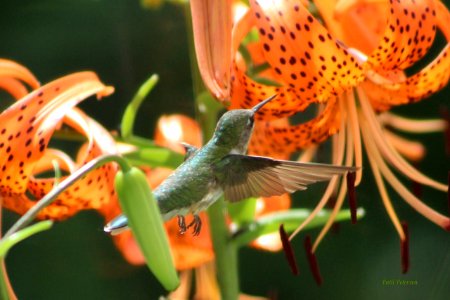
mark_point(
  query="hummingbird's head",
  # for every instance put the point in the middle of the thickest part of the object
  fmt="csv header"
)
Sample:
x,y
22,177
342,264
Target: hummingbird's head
x,y
235,126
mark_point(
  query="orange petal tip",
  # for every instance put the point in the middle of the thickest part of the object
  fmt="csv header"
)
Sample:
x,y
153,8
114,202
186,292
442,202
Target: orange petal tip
x,y
108,90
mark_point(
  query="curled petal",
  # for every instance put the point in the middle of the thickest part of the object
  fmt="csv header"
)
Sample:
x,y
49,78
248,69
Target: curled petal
x,y
13,70
63,160
28,124
362,23
95,190
407,37
427,81
284,139
303,52
212,23
13,86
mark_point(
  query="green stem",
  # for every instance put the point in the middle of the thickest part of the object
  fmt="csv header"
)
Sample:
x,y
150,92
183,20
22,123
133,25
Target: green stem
x,y
6,292
129,115
29,216
226,253
4,286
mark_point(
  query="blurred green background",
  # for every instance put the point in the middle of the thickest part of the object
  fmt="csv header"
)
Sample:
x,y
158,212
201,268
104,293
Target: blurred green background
x,y
124,44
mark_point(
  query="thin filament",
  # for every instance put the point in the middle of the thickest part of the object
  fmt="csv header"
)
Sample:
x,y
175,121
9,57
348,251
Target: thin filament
x,y
412,200
381,187
338,158
388,150
354,125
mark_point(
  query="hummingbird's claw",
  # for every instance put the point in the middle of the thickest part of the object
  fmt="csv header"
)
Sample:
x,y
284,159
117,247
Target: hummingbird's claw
x,y
197,223
182,224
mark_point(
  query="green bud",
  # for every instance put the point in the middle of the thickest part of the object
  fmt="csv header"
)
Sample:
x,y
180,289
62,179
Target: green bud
x,y
146,223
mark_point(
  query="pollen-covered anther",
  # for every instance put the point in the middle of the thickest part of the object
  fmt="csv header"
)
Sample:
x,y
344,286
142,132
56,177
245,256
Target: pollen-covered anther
x,y
404,248
351,176
288,251
312,261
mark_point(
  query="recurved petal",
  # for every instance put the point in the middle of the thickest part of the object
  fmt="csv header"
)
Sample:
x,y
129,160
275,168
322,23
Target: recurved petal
x,y
212,24
283,139
422,84
27,125
246,93
327,10
13,86
361,23
300,49
11,69
96,189
407,37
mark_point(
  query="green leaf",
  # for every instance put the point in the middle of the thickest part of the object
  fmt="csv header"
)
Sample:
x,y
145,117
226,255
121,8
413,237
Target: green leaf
x,y
243,211
146,223
129,115
291,219
7,242
155,157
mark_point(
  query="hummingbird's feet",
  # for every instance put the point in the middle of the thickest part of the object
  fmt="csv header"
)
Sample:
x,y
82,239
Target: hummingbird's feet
x,y
182,224
197,223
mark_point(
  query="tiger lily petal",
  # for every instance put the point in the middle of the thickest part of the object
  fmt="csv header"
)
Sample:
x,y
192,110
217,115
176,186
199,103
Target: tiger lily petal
x,y
12,75
212,23
27,128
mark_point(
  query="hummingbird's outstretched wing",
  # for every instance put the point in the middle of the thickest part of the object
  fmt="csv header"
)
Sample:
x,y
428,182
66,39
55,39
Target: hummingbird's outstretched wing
x,y
243,176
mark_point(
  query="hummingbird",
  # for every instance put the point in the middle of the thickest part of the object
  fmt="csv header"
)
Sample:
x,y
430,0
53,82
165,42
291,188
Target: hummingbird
x,y
222,167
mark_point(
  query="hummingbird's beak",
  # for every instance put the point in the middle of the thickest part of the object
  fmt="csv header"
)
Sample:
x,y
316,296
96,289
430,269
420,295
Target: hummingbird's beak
x,y
261,104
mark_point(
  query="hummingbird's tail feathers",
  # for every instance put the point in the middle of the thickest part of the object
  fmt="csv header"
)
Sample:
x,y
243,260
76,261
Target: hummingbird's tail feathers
x,y
117,225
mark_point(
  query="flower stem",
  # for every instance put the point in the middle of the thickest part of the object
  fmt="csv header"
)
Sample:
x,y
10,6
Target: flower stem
x,y
4,286
29,216
226,253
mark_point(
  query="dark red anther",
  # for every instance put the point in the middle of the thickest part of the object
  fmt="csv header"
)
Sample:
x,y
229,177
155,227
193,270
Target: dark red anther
x,y
351,176
288,251
404,251
312,261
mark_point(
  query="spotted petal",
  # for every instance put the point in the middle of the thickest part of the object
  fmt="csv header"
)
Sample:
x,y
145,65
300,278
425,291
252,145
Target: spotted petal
x,y
275,138
312,63
427,81
407,37
26,130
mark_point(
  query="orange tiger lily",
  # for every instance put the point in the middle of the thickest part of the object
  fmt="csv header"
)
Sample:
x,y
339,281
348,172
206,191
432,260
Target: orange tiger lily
x,y
27,127
351,63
